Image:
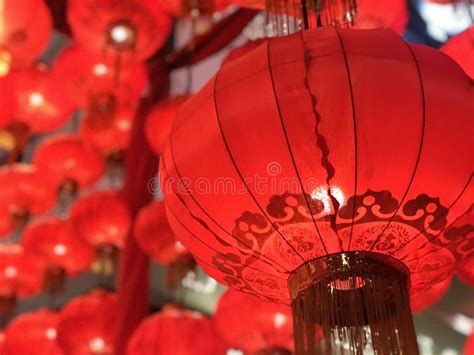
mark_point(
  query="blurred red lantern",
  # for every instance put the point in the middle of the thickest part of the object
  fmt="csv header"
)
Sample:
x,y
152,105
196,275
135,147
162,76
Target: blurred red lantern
x,y
24,34
68,162
33,333
90,74
465,272
257,326
133,30
3,350
242,50
56,242
461,49
20,276
40,101
177,332
7,102
424,298
87,324
469,346
103,220
154,234
160,120
391,14
115,137
287,186
184,8
24,193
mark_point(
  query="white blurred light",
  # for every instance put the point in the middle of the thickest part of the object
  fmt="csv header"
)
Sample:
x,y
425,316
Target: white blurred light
x,y
51,333
449,352
279,320
60,249
100,69
462,324
11,271
234,352
321,193
36,99
120,33
97,344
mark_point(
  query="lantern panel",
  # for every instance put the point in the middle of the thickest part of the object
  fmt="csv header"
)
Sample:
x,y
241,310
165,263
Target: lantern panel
x,y
461,49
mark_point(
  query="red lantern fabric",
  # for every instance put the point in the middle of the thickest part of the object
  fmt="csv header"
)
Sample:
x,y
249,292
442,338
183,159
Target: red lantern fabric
x,y
252,325
101,218
244,49
7,102
25,32
88,74
177,332
112,138
33,333
391,14
87,324
154,234
3,350
65,158
465,272
425,298
461,49
469,346
160,120
56,242
25,192
265,171
183,8
40,100
137,29
20,275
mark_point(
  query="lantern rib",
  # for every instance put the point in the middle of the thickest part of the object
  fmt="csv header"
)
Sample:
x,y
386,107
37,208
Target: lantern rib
x,y
354,124
217,251
437,219
420,149
240,174
290,151
204,224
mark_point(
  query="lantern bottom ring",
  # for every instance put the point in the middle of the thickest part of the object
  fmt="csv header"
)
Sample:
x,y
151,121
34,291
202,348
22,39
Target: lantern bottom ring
x,y
352,303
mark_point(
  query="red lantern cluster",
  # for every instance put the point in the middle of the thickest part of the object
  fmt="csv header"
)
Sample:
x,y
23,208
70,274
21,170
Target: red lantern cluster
x,y
175,331
256,326
33,333
87,324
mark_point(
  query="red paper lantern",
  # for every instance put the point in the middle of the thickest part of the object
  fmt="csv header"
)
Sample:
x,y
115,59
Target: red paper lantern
x,y
160,120
40,100
424,298
89,74
3,350
25,32
112,138
56,242
286,184
184,8
135,29
7,102
469,346
178,332
461,49
391,14
24,193
101,218
87,324
465,272
68,161
242,50
33,333
154,234
20,276
257,326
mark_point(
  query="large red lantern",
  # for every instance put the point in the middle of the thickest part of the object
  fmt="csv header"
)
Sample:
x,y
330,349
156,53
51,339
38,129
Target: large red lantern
x,y
111,138
20,276
87,324
160,120
90,75
25,29
68,162
24,193
465,272
429,295
461,49
56,242
469,346
103,220
296,187
132,30
174,331
258,327
33,333
40,102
